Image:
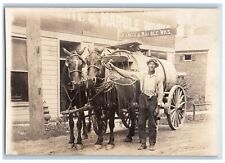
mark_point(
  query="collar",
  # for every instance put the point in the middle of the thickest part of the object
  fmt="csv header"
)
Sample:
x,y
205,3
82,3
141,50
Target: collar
x,y
152,75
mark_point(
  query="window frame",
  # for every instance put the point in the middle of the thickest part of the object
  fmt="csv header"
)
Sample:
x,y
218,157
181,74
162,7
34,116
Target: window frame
x,y
18,103
188,60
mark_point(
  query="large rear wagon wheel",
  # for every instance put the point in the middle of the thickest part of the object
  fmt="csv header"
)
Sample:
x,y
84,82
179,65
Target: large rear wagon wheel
x,y
176,106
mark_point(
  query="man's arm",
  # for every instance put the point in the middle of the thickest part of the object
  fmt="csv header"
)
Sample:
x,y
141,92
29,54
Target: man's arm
x,y
124,73
160,92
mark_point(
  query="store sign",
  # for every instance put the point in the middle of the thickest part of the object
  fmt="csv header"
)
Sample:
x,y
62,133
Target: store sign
x,y
149,33
118,21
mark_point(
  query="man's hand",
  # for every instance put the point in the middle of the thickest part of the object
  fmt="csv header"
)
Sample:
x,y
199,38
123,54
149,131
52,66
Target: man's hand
x,y
157,113
161,104
110,65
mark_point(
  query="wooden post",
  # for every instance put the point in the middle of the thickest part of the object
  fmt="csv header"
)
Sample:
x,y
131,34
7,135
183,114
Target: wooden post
x,y
193,112
34,75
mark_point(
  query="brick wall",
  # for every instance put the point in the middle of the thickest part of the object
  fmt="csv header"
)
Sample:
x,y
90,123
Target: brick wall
x,y
195,70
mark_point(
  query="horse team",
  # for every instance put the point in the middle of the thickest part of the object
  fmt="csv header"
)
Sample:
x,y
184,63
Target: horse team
x,y
85,81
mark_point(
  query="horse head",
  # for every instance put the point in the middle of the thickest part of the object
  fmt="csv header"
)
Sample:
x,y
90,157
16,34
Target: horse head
x,y
74,64
95,66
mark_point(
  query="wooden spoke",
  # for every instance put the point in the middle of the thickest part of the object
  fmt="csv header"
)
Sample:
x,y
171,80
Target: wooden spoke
x,y
179,93
172,106
173,100
125,116
173,114
176,123
181,99
178,116
181,104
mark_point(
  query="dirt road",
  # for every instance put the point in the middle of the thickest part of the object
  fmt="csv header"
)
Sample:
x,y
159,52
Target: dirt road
x,y
192,139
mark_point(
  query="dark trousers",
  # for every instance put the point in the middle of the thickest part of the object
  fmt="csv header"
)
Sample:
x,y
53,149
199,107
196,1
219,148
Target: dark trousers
x,y
147,107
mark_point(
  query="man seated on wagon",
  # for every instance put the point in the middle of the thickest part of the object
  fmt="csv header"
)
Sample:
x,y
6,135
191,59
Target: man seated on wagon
x,y
149,100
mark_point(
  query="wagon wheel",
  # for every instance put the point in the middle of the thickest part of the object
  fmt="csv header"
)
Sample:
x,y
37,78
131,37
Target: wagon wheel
x,y
176,107
95,124
125,115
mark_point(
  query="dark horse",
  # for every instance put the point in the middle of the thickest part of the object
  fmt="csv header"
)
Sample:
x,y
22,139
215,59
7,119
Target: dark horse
x,y
102,96
123,95
73,89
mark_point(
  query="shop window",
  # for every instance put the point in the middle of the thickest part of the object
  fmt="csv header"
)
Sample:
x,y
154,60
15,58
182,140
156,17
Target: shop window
x,y
19,71
187,57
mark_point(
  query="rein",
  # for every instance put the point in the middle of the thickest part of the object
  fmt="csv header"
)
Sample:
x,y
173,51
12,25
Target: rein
x,y
71,100
70,71
105,87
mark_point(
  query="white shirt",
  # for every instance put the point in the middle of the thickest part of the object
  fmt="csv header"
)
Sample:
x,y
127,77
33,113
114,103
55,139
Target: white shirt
x,y
151,85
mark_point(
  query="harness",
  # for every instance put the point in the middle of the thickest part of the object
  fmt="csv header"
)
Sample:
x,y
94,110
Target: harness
x,y
79,84
70,99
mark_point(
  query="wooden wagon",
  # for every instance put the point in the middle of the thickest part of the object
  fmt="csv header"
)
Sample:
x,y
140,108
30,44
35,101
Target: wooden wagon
x,y
130,58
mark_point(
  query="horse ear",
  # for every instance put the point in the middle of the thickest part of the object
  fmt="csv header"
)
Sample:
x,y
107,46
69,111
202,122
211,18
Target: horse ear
x,y
84,54
91,49
80,52
102,54
66,52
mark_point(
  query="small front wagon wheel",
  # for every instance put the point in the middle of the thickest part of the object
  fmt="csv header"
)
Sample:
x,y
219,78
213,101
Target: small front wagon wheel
x,y
177,102
96,127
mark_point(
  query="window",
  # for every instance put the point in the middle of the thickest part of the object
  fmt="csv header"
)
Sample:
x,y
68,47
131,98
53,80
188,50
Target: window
x,y
187,57
19,73
19,86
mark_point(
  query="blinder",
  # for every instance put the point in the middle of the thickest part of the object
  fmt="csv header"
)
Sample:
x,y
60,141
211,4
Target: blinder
x,y
74,84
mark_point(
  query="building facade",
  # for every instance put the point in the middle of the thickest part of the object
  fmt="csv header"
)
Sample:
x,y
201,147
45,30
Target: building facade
x,y
66,30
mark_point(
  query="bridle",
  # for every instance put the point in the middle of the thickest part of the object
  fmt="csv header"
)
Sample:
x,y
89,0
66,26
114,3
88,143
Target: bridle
x,y
98,68
75,70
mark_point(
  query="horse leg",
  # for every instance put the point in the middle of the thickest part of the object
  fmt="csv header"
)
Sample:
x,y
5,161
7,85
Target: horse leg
x,y
111,127
71,125
89,122
98,144
79,127
131,130
84,135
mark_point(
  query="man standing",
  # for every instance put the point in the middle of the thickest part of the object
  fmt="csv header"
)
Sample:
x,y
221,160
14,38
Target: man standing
x,y
149,101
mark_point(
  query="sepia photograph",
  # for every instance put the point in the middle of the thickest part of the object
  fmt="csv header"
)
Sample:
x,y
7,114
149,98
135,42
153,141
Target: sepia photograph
x,y
113,81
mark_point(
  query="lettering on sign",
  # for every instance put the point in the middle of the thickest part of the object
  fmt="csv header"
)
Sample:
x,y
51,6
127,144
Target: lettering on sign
x,y
149,33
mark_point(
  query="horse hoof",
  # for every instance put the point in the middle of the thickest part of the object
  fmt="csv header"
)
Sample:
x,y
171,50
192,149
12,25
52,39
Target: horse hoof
x,y
80,146
98,146
70,145
127,139
109,146
85,136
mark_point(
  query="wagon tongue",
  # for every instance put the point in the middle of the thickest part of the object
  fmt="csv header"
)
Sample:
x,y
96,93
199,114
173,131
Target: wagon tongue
x,y
81,109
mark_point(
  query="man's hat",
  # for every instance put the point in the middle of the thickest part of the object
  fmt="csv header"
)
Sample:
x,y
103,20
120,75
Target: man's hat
x,y
153,60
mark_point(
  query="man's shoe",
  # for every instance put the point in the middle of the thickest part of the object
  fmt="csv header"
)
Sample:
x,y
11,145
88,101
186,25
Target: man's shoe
x,y
151,147
142,146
